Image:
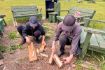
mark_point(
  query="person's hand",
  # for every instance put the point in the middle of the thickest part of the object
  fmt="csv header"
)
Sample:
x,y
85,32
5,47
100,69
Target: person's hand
x,y
66,60
28,40
43,43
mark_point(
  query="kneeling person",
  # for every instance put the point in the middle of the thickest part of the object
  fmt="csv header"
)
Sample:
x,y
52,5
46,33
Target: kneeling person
x,y
32,28
68,33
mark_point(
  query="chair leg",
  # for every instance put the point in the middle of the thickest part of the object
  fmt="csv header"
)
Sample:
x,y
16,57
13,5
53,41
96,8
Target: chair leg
x,y
14,22
50,18
4,22
86,44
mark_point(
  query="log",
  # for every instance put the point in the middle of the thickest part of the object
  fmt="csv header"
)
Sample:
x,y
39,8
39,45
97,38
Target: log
x,y
32,52
57,61
52,54
41,54
42,47
43,44
51,58
44,55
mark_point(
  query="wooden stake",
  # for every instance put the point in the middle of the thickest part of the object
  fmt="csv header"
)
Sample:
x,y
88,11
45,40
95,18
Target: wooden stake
x,y
44,55
57,61
41,54
42,48
52,54
43,45
51,58
32,52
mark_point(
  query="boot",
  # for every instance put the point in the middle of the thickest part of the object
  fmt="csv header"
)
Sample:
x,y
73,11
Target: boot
x,y
23,41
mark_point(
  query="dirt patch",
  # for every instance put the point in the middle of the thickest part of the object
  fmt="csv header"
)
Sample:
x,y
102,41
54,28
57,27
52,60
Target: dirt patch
x,y
18,60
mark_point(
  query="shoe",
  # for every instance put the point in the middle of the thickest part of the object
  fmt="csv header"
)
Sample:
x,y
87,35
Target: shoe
x,y
22,42
60,54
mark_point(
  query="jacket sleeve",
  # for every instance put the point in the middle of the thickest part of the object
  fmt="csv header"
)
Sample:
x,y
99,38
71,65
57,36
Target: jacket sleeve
x,y
43,31
75,40
58,32
25,29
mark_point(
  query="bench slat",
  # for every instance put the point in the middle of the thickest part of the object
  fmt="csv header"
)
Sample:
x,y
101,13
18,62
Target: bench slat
x,y
93,41
85,13
28,12
100,40
73,9
103,37
24,15
95,31
20,11
25,11
83,35
23,8
97,49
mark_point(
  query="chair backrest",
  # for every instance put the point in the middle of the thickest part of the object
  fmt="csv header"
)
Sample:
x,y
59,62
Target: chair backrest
x,y
57,7
24,10
86,13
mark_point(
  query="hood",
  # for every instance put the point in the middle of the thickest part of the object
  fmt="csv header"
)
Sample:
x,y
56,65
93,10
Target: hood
x,y
69,20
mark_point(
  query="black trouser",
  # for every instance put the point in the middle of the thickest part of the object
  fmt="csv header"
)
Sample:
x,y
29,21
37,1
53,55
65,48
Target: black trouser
x,y
65,40
36,34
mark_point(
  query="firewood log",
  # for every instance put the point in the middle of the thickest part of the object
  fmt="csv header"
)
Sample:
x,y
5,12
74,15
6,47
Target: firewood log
x,y
32,52
57,61
51,58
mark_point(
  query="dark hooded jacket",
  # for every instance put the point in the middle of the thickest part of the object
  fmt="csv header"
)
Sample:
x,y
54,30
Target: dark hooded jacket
x,y
33,22
70,28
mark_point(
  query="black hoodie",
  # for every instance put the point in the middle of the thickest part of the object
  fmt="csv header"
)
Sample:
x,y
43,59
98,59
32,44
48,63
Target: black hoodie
x,y
31,26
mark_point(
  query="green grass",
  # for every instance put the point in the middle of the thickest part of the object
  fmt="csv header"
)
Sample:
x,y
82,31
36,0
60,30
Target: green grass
x,y
103,66
12,35
2,48
9,48
5,7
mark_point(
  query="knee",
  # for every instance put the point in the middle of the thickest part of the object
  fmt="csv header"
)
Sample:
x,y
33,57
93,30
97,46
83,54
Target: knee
x,y
37,33
19,28
62,40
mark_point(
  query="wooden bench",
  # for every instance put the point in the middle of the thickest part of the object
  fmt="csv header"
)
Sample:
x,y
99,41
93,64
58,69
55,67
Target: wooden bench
x,y
25,11
85,13
2,24
92,1
1,27
93,39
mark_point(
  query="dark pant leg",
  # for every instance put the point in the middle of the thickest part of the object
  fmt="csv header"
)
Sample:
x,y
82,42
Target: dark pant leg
x,y
19,29
79,49
63,41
